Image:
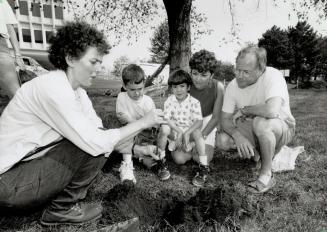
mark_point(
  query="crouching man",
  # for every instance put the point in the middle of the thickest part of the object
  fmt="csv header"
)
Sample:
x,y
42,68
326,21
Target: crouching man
x,y
256,115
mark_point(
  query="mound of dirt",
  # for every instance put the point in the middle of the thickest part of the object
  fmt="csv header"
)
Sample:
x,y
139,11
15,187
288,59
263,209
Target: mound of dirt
x,y
212,204
126,201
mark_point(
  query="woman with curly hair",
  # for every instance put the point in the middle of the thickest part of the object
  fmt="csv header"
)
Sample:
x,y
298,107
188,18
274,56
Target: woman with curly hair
x,y
210,93
52,143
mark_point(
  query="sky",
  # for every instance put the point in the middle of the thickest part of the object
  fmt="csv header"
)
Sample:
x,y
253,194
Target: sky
x,y
254,17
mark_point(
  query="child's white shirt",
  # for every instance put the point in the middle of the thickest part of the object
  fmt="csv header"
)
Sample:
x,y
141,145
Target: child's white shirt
x,y
129,110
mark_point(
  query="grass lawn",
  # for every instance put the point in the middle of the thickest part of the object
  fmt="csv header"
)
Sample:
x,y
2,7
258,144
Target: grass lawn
x,y
297,203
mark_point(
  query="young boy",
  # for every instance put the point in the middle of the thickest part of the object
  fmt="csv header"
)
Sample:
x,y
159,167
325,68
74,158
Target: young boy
x,y
184,117
131,106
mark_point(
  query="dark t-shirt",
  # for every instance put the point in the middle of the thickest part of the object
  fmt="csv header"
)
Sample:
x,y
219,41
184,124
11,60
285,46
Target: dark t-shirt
x,y
207,97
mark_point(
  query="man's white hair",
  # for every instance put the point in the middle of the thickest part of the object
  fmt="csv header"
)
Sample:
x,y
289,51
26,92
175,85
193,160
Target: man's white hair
x,y
259,52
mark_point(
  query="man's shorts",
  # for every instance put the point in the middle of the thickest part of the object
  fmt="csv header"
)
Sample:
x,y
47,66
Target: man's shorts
x,y
246,129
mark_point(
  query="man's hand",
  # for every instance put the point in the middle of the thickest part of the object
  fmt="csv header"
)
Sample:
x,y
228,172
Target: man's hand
x,y
153,118
244,148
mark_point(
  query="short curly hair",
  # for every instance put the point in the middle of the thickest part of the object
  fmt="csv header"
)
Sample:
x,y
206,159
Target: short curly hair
x,y
73,39
203,61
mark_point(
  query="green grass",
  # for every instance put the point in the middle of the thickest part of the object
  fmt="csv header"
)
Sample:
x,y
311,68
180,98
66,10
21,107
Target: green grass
x,y
297,203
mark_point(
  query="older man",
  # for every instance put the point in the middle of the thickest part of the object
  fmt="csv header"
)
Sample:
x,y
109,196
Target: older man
x,y
256,113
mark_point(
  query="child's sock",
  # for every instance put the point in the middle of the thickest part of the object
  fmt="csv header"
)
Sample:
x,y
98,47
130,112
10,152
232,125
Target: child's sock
x,y
127,158
203,159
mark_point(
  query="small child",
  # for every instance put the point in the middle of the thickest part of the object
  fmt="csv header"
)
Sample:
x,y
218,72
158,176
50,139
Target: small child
x,y
184,117
131,106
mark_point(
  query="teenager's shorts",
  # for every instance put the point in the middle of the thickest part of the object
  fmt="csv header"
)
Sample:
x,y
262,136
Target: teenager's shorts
x,y
246,129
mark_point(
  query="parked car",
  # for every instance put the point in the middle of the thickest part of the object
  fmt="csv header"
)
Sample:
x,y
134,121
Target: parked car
x,y
33,66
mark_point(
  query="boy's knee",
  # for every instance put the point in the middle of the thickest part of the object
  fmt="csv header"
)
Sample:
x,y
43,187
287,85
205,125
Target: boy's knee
x,y
224,141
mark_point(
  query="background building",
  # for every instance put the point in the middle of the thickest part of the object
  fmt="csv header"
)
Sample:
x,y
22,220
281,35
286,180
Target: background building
x,y
38,19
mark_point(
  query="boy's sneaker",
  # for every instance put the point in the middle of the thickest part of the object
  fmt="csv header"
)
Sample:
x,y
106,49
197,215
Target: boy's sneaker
x,y
126,171
201,176
163,172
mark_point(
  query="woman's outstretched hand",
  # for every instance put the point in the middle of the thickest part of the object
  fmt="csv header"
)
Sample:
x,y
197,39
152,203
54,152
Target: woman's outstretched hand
x,y
153,118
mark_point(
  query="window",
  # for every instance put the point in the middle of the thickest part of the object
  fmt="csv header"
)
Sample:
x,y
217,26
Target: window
x,y
59,12
47,11
23,8
26,35
48,35
38,36
36,9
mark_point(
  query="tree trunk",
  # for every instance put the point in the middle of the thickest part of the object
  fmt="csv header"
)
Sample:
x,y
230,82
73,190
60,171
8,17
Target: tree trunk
x,y
178,13
150,79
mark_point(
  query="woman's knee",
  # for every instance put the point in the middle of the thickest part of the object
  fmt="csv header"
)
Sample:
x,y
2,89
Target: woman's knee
x,y
180,157
224,141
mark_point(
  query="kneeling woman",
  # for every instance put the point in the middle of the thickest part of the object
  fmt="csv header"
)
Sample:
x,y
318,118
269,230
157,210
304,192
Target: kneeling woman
x,y
52,143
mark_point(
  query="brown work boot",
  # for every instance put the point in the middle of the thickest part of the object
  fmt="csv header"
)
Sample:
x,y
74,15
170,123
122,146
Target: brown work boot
x,y
78,214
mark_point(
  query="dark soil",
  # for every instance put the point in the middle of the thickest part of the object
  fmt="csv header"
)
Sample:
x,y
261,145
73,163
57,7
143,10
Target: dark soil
x,y
126,201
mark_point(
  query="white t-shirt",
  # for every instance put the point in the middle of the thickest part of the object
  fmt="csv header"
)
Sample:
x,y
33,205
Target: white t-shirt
x,y
46,109
129,110
6,17
270,84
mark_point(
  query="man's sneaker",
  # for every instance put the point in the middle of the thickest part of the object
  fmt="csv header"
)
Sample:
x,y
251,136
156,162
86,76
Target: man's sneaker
x,y
163,172
201,175
78,214
126,171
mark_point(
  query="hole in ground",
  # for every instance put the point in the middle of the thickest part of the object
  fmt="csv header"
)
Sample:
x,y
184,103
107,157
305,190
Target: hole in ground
x,y
126,201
